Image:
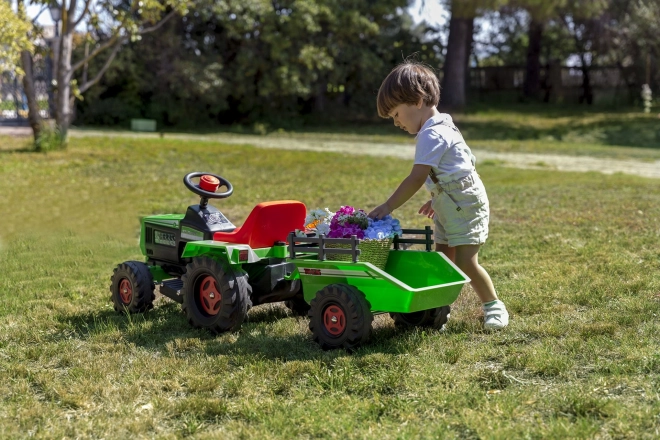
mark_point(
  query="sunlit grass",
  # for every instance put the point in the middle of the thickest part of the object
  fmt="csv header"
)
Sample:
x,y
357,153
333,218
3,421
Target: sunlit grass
x,y
575,256
521,128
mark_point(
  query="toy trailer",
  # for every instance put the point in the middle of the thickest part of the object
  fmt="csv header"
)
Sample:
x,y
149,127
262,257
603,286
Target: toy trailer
x,y
217,272
415,287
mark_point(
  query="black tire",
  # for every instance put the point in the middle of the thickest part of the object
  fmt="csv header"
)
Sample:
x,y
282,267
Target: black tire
x,y
298,306
132,288
436,318
204,279
340,317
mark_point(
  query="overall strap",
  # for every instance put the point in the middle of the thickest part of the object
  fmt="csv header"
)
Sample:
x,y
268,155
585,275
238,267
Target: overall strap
x,y
450,125
433,178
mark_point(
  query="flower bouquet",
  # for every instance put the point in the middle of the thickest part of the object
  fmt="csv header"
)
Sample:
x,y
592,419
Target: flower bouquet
x,y
376,236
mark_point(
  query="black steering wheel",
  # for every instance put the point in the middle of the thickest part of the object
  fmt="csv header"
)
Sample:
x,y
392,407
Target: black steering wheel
x,y
209,182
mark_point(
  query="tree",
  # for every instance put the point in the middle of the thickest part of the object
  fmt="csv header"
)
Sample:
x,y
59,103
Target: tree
x,y
16,54
111,24
14,39
242,61
585,21
540,11
504,41
635,46
459,48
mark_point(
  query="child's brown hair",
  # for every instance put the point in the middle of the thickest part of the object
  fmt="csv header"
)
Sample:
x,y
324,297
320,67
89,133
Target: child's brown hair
x,y
407,83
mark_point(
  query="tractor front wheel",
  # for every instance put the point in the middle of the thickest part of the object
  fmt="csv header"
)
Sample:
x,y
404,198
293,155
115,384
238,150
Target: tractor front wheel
x,y
132,288
436,317
340,317
216,296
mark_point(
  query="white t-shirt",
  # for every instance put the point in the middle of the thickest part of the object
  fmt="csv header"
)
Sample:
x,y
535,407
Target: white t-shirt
x,y
442,146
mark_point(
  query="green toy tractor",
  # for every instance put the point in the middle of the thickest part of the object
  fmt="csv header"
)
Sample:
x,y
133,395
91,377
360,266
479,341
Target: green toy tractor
x,y
217,271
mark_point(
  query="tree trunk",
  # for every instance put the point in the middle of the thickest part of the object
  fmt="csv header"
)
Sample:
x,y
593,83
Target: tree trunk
x,y
28,87
532,83
468,54
319,99
587,91
63,94
455,69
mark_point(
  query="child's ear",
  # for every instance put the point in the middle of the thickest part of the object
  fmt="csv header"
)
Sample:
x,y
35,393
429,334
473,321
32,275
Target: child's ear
x,y
420,103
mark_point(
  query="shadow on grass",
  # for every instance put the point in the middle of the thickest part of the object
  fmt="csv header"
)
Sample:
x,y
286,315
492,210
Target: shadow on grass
x,y
13,150
597,125
262,335
633,131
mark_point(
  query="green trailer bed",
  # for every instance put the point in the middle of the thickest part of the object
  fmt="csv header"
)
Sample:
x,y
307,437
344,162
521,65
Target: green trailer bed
x,y
411,281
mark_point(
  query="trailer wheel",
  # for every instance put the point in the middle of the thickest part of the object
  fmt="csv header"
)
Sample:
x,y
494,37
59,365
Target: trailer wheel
x,y
132,288
215,295
340,317
436,317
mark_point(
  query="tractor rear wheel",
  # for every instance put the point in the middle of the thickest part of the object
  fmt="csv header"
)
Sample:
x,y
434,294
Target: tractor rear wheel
x,y
340,317
132,288
436,317
215,295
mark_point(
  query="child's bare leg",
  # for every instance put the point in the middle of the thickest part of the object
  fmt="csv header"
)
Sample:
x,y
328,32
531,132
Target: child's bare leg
x,y
469,263
450,252
467,259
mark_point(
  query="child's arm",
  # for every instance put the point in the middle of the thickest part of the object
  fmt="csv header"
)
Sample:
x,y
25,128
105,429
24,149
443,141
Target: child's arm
x,y
405,191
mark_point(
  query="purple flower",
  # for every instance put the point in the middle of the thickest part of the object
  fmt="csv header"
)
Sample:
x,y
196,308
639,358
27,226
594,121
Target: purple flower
x,y
346,231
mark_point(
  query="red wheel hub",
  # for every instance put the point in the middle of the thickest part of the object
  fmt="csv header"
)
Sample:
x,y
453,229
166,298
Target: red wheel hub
x,y
209,295
334,320
125,291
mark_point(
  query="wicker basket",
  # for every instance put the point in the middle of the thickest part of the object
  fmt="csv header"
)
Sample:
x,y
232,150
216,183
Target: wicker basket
x,y
371,251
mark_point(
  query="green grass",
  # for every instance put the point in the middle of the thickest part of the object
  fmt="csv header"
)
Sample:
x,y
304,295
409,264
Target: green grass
x,y
570,130
576,257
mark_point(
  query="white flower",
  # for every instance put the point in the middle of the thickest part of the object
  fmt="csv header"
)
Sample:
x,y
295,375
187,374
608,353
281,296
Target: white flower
x,y
323,228
318,216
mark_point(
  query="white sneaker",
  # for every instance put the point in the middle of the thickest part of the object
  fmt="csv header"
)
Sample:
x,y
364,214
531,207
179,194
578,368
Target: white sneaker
x,y
495,316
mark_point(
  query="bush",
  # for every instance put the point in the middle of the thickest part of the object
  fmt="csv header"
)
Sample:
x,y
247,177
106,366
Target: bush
x,y
109,112
50,139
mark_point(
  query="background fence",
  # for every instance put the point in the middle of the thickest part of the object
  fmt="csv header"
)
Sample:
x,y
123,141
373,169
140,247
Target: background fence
x,y
13,102
559,84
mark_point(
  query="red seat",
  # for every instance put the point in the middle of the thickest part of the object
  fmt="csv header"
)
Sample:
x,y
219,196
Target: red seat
x,y
267,223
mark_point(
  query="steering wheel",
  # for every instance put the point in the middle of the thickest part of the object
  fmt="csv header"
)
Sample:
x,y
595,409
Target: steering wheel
x,y
208,185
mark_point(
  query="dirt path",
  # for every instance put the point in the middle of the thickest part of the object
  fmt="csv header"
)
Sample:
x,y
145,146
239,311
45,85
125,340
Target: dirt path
x,y
404,151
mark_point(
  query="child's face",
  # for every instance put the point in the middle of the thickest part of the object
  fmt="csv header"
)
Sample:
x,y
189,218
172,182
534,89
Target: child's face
x,y
408,117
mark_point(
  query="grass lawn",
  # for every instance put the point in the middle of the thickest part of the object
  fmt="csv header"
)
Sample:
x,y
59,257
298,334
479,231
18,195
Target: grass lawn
x,y
576,257
522,128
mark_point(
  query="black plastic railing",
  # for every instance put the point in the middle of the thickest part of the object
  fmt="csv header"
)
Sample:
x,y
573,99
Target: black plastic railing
x,y
297,244
427,240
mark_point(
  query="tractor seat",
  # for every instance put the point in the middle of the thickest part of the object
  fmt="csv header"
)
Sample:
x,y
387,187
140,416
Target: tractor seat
x,y
267,223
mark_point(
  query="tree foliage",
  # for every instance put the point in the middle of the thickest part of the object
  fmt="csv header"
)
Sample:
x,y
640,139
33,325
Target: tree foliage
x,y
634,44
239,61
111,24
14,28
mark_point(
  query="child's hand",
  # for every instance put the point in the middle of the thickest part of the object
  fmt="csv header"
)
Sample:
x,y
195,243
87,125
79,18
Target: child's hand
x,y
380,211
426,209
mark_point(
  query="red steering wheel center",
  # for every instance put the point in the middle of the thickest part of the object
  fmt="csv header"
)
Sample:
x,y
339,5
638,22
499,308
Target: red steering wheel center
x,y
125,291
209,183
334,320
209,295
